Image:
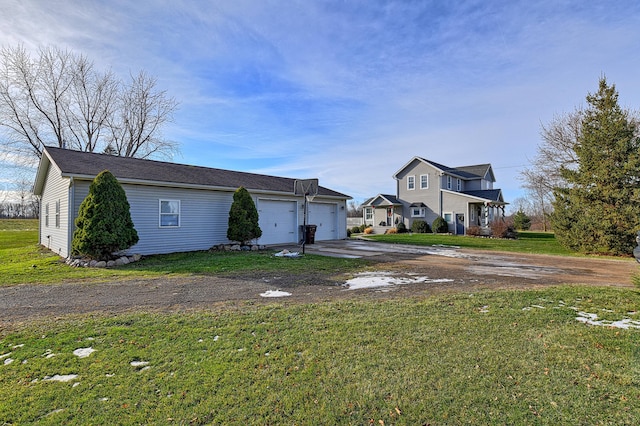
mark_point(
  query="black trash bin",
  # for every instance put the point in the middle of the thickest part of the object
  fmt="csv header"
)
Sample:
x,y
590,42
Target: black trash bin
x,y
310,234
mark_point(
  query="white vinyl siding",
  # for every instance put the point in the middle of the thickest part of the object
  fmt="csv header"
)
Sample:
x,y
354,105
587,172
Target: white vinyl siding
x,y
169,213
424,181
53,230
411,182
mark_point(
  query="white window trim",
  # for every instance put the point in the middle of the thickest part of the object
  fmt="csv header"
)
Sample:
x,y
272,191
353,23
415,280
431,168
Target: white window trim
x,y
422,212
449,182
46,215
450,214
425,186
58,214
411,179
459,185
160,214
368,213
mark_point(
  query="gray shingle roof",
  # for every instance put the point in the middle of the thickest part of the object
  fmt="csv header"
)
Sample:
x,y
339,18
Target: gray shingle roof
x,y
465,172
487,194
382,200
88,164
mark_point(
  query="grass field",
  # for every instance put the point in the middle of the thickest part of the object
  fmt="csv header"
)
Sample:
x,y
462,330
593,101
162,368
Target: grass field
x,y
508,357
488,358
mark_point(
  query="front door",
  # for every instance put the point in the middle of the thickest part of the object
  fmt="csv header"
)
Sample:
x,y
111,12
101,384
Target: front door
x,y
459,224
389,216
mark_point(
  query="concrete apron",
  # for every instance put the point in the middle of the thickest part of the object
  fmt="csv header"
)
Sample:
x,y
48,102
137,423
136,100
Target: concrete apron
x,y
356,249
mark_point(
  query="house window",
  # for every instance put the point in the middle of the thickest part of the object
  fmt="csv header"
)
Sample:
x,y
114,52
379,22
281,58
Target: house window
x,y
411,182
424,181
58,214
447,217
448,182
368,213
459,185
169,213
46,215
417,211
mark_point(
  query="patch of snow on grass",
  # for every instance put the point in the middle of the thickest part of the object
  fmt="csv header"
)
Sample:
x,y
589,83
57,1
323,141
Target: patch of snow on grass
x,y
139,363
275,293
385,279
5,355
83,352
8,361
592,319
61,378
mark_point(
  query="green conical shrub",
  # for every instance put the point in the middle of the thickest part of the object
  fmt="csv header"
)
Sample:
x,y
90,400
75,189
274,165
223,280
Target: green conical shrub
x,y
243,218
104,224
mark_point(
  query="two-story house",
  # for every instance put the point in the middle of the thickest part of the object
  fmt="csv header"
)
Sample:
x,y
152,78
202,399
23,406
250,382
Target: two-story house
x,y
463,196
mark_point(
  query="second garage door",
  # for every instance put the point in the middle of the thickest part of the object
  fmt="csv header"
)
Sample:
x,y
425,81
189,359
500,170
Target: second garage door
x,y
324,216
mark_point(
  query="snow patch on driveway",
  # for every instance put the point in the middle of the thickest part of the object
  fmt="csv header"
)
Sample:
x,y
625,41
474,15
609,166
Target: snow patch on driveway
x,y
387,279
275,293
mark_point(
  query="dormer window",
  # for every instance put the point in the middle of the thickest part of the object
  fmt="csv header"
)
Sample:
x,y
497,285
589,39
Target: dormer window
x,y
459,185
448,182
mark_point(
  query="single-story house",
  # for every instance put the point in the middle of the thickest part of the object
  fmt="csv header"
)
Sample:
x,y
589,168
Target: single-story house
x,y
464,196
177,207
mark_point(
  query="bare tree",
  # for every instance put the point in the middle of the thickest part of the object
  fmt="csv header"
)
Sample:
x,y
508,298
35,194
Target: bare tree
x,y
142,111
560,138
59,99
93,101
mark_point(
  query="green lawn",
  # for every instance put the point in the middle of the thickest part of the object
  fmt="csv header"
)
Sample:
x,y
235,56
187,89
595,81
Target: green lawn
x,y
510,357
24,262
527,242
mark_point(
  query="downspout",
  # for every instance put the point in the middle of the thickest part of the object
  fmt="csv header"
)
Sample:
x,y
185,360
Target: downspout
x,y
440,194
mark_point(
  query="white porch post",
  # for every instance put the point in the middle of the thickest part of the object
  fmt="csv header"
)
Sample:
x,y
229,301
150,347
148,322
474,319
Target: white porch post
x,y
486,214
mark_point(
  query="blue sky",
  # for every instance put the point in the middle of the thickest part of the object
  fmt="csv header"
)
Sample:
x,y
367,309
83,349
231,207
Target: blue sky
x,y
350,91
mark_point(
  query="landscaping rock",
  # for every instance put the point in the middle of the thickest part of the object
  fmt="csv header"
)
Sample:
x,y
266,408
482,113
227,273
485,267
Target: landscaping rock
x,y
101,264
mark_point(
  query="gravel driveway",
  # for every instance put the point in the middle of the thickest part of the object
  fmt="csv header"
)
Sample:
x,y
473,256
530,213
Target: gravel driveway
x,y
423,270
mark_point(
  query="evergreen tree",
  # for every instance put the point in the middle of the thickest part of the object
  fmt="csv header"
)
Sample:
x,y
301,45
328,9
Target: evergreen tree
x,y
104,224
243,218
599,209
521,221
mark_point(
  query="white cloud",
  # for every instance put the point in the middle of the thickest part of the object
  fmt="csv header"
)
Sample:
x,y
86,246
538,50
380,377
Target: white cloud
x,y
349,91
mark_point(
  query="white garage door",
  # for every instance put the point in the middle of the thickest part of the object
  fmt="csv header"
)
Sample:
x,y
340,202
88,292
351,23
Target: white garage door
x,y
277,221
324,216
